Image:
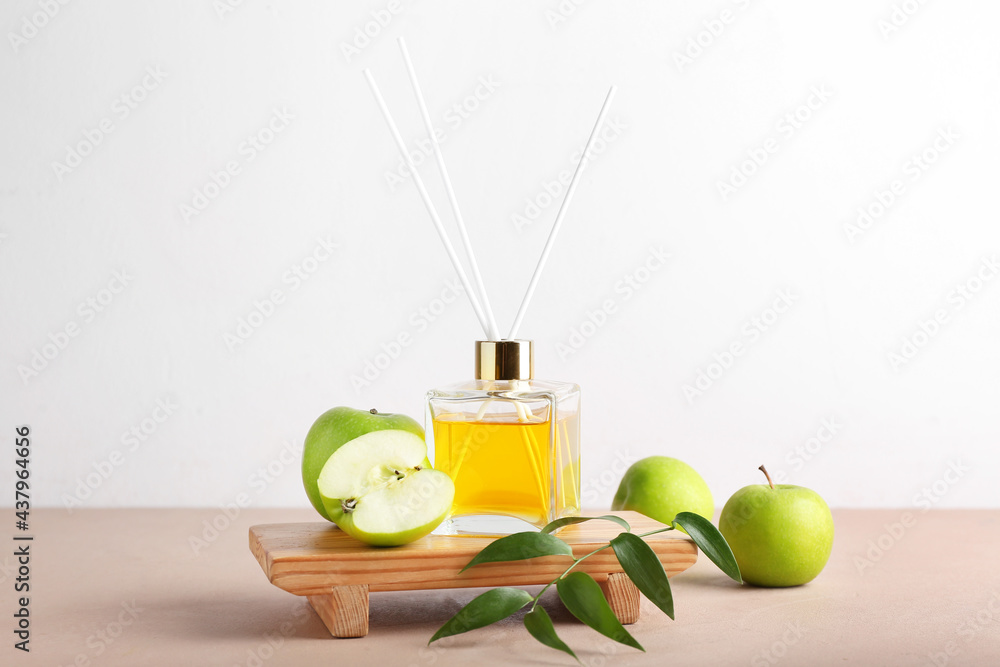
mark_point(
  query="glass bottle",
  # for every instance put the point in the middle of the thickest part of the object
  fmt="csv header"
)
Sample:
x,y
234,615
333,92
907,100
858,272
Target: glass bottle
x,y
510,443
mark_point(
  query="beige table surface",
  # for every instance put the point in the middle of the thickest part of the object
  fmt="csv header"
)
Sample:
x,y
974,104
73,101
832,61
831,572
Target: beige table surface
x,y
125,587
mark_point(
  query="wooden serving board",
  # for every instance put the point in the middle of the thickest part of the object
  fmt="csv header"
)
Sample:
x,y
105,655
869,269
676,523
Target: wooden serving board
x,y
336,572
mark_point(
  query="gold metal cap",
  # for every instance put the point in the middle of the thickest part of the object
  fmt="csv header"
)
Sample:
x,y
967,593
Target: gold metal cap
x,y
504,360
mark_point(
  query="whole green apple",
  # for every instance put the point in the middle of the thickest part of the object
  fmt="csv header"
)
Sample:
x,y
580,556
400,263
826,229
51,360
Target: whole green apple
x,y
337,427
660,487
781,534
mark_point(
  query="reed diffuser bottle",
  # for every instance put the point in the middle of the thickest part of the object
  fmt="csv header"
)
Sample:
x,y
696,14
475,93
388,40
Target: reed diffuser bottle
x,y
510,442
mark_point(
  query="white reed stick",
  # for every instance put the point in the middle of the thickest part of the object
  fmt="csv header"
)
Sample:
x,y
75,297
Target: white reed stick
x,y
401,145
494,332
559,216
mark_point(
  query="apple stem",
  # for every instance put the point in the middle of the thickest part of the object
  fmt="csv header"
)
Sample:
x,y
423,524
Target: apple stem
x,y
347,506
764,470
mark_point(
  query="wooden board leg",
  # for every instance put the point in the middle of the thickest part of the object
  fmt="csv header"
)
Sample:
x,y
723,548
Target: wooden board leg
x,y
344,611
623,597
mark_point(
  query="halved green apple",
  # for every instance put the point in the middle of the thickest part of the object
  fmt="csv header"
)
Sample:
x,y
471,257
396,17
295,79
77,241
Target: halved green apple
x,y
334,429
379,488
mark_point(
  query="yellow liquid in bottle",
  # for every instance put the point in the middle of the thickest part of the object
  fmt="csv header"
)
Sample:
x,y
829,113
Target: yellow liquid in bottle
x,y
509,467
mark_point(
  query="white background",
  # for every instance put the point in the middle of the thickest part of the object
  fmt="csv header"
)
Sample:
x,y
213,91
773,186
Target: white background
x,y
685,127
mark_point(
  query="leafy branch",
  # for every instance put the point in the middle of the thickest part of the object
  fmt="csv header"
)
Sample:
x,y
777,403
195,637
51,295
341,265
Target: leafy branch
x,y
579,592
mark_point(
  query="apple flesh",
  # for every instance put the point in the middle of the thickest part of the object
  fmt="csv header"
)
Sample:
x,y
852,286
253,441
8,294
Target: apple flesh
x,y
379,489
781,534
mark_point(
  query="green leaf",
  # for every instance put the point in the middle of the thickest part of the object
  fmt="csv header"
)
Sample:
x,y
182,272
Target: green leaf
x,y
492,606
565,521
584,599
521,546
710,541
540,626
644,568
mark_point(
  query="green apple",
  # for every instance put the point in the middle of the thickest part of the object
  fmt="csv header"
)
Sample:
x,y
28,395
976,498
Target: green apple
x,y
661,487
337,427
368,473
780,534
